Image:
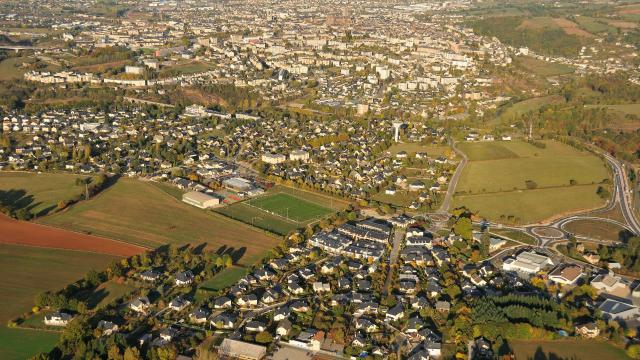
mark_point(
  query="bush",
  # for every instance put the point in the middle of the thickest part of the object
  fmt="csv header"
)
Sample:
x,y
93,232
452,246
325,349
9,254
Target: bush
x,y
531,184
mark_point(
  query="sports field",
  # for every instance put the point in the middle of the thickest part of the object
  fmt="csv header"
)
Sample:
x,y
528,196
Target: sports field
x,y
279,212
566,349
289,207
140,213
38,193
26,271
518,182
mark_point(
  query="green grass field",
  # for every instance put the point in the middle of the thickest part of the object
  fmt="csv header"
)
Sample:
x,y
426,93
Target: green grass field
x,y
592,25
256,217
289,207
493,183
39,193
26,271
106,293
140,213
566,349
595,229
515,235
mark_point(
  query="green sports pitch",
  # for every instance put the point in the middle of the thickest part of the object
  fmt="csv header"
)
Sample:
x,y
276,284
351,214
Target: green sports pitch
x,y
289,207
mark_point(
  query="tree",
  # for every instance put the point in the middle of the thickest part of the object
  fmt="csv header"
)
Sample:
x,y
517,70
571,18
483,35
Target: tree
x,y
114,353
633,351
264,337
464,228
132,354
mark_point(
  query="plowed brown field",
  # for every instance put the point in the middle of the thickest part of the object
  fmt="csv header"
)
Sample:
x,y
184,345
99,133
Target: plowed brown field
x,y
30,234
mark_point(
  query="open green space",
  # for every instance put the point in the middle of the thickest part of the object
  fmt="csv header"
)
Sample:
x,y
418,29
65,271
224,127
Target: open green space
x,y
509,112
257,217
289,207
401,198
11,68
515,235
543,68
225,278
592,25
106,293
20,344
39,193
517,182
567,349
595,229
328,201
140,213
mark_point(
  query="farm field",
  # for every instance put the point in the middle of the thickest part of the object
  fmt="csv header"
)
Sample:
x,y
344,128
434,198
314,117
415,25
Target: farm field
x,y
36,235
38,193
28,271
566,349
521,183
141,214
20,344
623,123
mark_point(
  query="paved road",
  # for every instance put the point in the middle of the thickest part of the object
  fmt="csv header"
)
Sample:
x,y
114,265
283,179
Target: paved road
x,y
398,238
623,193
446,203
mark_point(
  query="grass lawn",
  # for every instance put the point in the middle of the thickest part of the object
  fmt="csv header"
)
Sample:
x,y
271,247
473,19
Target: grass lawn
x,y
515,235
140,213
225,278
595,229
493,183
27,271
169,189
19,344
622,110
400,198
290,207
566,349
106,293
325,200
39,193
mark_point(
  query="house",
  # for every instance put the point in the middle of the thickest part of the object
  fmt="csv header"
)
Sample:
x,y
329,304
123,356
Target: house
x,y
150,275
183,278
222,302
443,306
107,327
281,313
588,330
225,320
255,326
395,313
57,319
199,316
236,349
618,309
482,349
140,304
362,323
566,274
284,327
611,284
179,303
320,287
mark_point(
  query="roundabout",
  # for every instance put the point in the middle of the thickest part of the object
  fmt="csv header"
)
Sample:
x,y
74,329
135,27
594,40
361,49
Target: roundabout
x,y
548,232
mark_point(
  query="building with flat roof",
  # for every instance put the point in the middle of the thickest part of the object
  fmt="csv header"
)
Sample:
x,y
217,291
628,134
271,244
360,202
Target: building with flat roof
x,y
526,262
199,199
237,184
273,159
236,349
